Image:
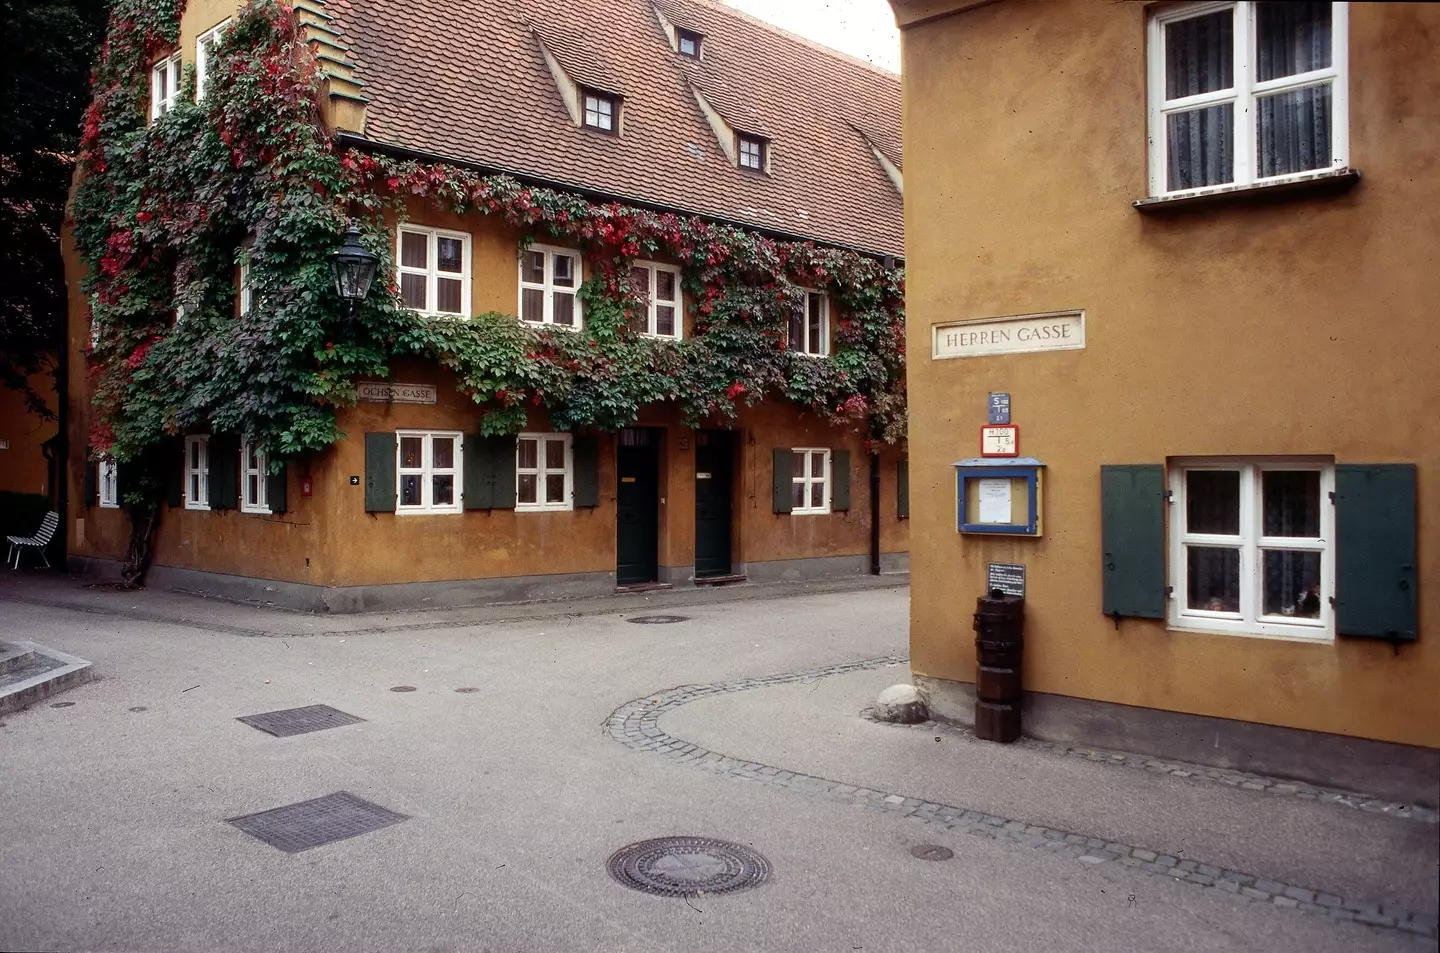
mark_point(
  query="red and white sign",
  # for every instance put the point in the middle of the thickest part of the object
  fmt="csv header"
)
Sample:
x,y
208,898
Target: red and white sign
x,y
1000,440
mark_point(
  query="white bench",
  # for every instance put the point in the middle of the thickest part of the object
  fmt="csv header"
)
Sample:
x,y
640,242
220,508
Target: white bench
x,y
38,542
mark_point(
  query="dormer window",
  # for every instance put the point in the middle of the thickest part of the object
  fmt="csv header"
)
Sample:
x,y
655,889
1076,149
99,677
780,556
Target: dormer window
x,y
601,110
750,152
687,43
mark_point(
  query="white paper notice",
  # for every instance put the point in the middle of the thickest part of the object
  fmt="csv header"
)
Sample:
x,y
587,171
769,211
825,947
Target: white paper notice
x,y
995,501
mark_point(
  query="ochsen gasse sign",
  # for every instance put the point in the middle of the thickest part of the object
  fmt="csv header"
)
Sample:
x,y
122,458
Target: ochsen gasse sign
x,y
1057,331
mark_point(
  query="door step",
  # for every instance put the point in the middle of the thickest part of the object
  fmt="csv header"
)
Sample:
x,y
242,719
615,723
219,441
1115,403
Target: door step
x,y
644,587
31,672
719,580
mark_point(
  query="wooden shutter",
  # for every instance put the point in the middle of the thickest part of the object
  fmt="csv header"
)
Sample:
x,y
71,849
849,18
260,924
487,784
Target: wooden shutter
x,y
479,479
380,472
1376,573
276,487
783,478
172,454
223,455
92,483
501,453
1132,513
840,480
586,455
902,488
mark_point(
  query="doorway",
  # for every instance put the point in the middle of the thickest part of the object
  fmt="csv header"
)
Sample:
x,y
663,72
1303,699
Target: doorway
x,y
713,469
637,504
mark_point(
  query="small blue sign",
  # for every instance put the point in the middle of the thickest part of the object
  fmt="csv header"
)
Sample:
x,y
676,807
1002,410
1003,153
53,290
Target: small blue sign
x,y
999,408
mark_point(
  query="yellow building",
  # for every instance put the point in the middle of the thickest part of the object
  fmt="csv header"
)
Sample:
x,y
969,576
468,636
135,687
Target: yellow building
x,y
1194,244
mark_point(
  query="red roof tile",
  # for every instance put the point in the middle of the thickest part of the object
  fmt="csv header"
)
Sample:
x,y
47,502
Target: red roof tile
x,y
469,81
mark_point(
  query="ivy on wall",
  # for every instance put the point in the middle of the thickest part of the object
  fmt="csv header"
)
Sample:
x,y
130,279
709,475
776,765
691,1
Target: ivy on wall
x,y
165,210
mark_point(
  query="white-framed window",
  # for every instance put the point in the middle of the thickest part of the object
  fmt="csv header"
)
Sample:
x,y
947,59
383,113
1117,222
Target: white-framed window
x,y
810,481
164,86
1252,547
1245,92
750,152
197,473
247,294
810,324
427,468
254,474
109,480
663,316
601,110
434,270
544,472
205,46
549,282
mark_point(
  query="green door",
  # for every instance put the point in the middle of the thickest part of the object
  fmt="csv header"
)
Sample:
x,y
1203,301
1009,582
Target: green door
x,y
637,502
713,466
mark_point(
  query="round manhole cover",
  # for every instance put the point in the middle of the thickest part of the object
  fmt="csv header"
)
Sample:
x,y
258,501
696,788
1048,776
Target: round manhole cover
x,y
658,619
931,852
686,866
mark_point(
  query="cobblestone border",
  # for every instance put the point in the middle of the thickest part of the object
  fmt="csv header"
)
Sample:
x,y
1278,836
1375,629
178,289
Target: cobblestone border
x,y
1275,787
636,724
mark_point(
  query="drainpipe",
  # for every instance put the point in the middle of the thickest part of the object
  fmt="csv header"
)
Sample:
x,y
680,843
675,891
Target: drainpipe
x,y
874,513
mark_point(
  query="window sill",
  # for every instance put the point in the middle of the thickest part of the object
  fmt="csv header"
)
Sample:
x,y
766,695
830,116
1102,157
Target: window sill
x,y
1322,637
1316,183
256,510
197,507
109,506
542,508
426,511
809,512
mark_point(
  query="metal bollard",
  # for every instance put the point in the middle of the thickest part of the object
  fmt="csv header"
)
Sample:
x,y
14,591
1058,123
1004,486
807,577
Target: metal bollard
x,y
999,646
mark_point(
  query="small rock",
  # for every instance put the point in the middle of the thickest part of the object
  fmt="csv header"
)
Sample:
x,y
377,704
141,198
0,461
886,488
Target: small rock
x,y
901,704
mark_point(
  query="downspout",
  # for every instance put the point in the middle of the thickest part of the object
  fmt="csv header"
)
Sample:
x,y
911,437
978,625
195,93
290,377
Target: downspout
x,y
874,513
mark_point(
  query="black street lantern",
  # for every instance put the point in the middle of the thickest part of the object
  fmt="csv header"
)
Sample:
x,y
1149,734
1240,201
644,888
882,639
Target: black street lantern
x,y
354,269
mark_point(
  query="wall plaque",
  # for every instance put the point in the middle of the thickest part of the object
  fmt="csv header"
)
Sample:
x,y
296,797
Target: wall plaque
x,y
1057,331
380,392
1009,578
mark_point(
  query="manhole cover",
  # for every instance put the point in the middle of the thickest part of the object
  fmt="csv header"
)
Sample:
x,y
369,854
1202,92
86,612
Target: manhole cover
x,y
685,866
324,820
658,619
403,688
931,852
298,721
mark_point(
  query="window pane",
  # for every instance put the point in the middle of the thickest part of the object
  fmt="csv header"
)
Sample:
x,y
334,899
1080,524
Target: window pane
x,y
444,490
410,489
665,285
815,340
799,470
528,455
1213,579
1292,584
525,490
443,452
252,458
195,488
1291,38
447,296
797,496
817,494
535,268
1291,503
665,320
195,455
554,454
412,291
449,255
564,305
555,488
640,280
1293,131
414,249
411,452
1212,502
797,331
532,305
1200,146
252,489
1199,54
565,271
817,465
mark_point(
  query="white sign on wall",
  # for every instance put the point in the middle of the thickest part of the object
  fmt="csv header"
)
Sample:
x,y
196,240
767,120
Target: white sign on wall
x,y
1057,331
381,392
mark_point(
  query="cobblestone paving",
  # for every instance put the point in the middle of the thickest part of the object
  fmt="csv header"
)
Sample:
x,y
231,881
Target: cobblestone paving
x,y
636,724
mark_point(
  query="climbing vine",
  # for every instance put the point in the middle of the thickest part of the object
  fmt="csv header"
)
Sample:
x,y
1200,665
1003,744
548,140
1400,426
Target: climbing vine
x,y
166,210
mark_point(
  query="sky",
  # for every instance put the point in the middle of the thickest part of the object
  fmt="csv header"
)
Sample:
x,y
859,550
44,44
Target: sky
x,y
863,28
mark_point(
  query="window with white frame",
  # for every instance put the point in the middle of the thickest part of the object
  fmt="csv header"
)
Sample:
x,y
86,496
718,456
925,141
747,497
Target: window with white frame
x,y
197,473
109,481
549,281
164,86
750,152
1252,547
544,472
601,110
810,481
1244,93
810,324
205,47
663,315
428,472
254,473
247,295
434,270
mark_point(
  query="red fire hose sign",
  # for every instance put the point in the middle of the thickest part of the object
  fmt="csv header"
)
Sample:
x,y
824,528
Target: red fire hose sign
x,y
1009,578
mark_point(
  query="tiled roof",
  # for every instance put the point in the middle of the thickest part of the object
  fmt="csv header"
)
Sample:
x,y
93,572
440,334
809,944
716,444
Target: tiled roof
x,y
469,81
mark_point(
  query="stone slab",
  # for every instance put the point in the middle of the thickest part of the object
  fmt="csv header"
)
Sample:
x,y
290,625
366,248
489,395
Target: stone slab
x,y
48,673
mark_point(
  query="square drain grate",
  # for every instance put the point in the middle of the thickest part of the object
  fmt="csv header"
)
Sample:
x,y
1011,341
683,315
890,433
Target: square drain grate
x,y
297,827
298,721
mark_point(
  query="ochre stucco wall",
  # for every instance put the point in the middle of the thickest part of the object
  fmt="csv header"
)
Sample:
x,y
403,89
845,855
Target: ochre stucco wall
x,y
1304,326
23,467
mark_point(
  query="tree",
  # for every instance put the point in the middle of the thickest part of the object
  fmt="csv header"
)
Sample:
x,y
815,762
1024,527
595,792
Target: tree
x,y
50,47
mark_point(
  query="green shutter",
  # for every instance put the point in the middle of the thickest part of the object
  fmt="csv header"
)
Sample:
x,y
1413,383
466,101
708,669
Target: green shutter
x,y
501,454
172,450
276,489
122,480
224,459
1376,572
902,488
380,472
586,451
840,481
92,483
782,478
1132,513
479,477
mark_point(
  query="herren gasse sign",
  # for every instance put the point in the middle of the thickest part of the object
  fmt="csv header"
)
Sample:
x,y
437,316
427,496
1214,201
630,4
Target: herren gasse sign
x,y
1057,331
